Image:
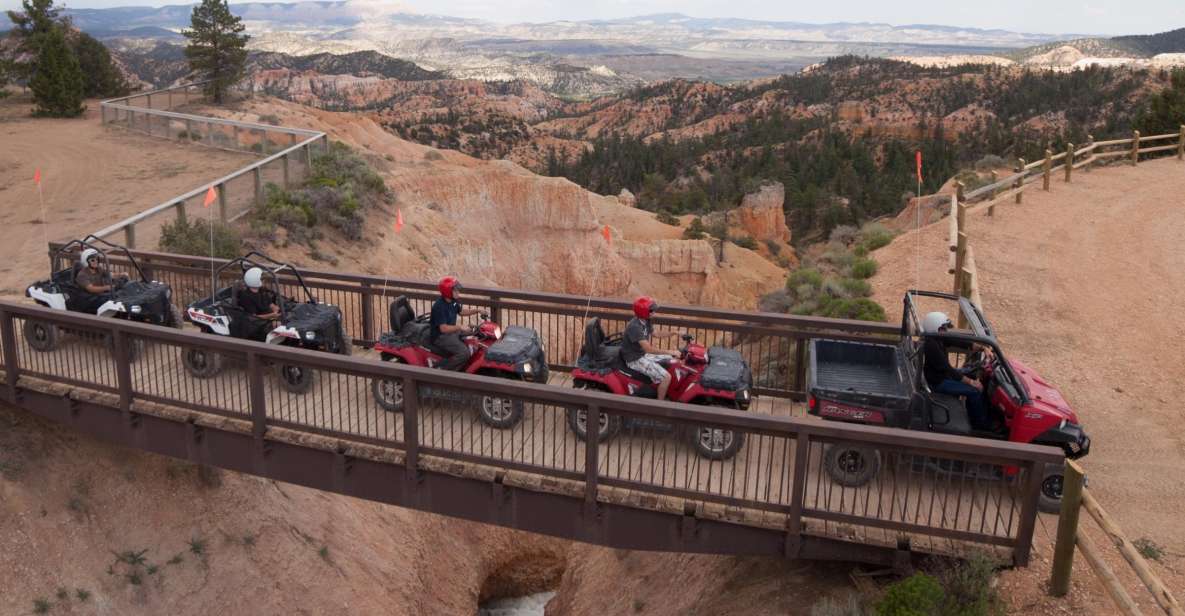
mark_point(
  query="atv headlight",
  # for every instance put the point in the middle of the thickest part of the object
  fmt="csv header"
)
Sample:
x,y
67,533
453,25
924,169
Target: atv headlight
x,y
527,369
310,335
137,309
743,394
497,333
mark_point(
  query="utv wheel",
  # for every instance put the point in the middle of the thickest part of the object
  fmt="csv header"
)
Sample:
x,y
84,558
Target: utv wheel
x,y
295,379
851,465
1050,500
500,413
173,318
717,443
201,363
388,393
135,347
609,425
41,336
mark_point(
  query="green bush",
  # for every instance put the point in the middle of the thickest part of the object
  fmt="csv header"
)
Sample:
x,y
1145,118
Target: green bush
x,y
804,276
969,590
917,595
863,268
873,236
745,241
774,247
860,308
696,230
193,238
667,218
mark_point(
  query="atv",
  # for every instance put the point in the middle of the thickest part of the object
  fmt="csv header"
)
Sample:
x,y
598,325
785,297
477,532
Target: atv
x,y
712,377
514,354
883,384
140,299
307,325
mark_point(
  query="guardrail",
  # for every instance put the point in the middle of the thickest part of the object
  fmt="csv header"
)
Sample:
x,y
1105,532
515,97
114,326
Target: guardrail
x,y
777,479
287,154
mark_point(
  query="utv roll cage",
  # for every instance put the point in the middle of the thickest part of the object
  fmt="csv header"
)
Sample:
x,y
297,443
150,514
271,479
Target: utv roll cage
x,y
65,253
271,268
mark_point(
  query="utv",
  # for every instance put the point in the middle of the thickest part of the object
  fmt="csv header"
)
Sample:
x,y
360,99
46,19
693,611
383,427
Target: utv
x,y
140,300
307,325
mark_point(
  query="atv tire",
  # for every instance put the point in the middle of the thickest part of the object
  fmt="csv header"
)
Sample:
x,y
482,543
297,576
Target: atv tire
x,y
716,443
388,393
201,363
500,413
173,318
135,347
610,425
295,379
851,465
1050,499
41,336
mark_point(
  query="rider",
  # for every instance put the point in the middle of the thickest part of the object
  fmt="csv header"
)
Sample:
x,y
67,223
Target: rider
x,y
256,300
445,334
93,277
636,350
944,378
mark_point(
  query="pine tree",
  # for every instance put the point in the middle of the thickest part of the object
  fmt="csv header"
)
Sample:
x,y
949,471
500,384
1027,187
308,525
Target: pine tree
x,y
217,49
57,81
30,28
101,77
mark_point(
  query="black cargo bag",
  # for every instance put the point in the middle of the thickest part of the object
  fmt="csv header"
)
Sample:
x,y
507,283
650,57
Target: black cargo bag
x,y
518,344
726,370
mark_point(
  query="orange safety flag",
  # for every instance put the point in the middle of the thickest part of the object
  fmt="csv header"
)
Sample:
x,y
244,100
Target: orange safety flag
x,y
398,220
608,235
211,196
37,176
919,165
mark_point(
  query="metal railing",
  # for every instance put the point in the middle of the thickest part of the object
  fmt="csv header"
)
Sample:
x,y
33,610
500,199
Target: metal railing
x,y
287,156
778,476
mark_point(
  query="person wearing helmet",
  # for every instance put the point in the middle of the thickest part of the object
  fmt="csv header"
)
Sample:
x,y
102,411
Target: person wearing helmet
x,y
946,379
638,353
444,333
255,300
92,276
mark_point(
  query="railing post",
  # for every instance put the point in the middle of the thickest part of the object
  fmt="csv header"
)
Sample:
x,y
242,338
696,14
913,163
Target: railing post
x,y
960,257
367,312
222,206
284,164
995,189
123,372
1090,144
235,130
960,188
210,134
1135,147
1047,169
150,100
102,114
411,432
1028,514
592,430
258,399
1020,181
129,235
802,447
496,309
180,205
324,144
170,91
1181,144
1067,531
1069,162
188,129
308,156
8,344
258,187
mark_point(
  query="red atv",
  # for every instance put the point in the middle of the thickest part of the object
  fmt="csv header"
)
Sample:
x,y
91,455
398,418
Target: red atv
x,y
716,377
883,384
516,354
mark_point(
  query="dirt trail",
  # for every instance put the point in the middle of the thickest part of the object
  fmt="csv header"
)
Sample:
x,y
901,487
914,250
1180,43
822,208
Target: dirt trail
x,y
1084,284
91,177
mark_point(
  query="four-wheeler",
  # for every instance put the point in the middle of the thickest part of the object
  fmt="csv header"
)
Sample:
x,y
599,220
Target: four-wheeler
x,y
883,384
713,377
140,299
305,324
515,354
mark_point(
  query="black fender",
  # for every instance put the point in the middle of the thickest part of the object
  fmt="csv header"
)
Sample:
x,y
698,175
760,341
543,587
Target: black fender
x,y
1070,437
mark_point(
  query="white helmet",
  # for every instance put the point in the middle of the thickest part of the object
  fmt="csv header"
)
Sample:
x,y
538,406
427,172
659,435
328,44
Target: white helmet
x,y
87,255
933,321
253,278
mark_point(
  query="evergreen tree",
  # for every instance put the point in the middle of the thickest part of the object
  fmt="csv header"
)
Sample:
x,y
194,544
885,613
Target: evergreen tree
x,y
57,82
217,49
1166,110
101,77
30,28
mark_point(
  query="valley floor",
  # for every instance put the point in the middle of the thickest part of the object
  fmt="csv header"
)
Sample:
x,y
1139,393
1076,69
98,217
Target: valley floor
x,y
1085,284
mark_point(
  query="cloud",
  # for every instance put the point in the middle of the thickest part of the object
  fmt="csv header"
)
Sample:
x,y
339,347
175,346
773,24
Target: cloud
x,y
1094,11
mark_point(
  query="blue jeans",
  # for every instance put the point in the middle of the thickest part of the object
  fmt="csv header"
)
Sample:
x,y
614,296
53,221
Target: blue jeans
x,y
976,405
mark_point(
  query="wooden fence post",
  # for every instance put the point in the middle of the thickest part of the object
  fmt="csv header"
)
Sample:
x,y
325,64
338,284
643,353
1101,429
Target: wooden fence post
x,y
129,236
1090,143
1067,530
960,187
258,186
180,205
1135,147
1069,161
222,205
1047,169
960,257
1181,144
995,190
1020,181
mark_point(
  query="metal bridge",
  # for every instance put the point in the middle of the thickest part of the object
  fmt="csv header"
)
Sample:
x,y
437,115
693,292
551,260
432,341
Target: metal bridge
x,y
644,489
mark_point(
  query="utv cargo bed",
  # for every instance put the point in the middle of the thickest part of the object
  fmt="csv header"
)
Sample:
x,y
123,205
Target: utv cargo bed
x,y
859,374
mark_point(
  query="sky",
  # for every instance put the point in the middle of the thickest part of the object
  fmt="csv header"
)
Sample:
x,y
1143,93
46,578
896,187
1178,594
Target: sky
x,y
1048,16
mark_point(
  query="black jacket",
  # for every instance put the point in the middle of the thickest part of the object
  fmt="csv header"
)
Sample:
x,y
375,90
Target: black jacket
x,y
937,366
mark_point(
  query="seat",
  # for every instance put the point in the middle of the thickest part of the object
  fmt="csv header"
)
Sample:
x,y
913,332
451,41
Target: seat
x,y
400,313
596,354
948,415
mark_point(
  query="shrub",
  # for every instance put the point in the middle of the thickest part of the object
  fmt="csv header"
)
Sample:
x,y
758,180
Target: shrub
x,y
804,276
968,588
844,235
861,309
873,236
1149,549
696,230
917,595
854,287
193,238
779,301
774,247
863,268
667,218
989,163
850,605
270,118
745,241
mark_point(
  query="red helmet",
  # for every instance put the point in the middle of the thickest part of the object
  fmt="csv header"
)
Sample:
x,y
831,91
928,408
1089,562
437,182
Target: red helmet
x,y
447,286
644,307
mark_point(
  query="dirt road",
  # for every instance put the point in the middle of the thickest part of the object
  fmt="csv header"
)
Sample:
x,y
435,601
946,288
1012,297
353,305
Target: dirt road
x,y
1085,284
91,177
